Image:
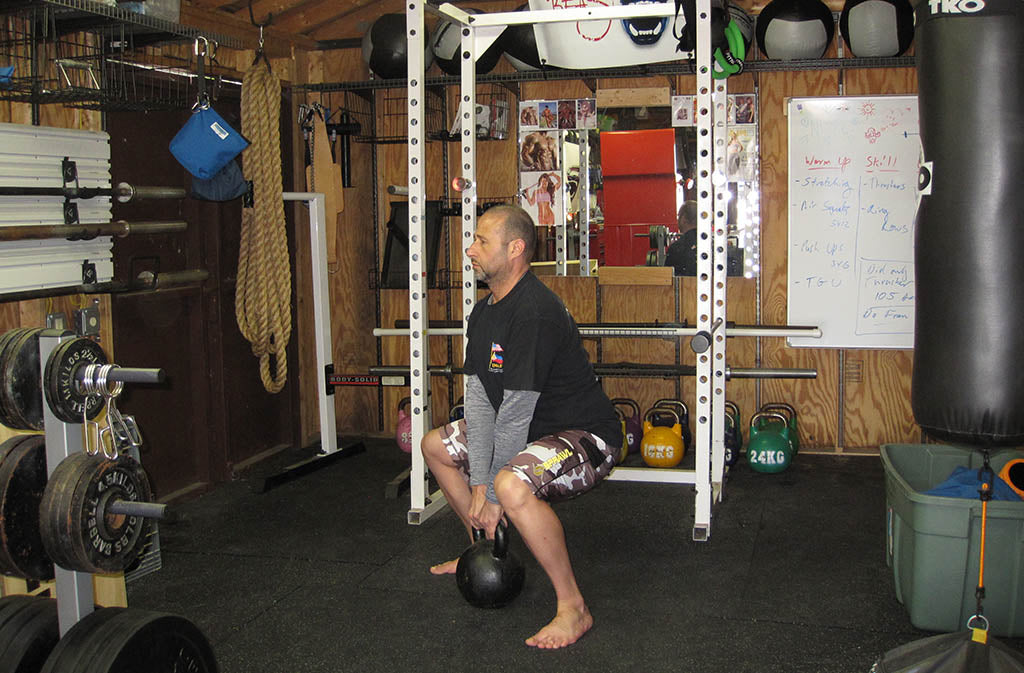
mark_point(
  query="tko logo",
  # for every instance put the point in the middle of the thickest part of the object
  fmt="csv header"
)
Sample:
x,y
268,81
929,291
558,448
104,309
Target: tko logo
x,y
955,6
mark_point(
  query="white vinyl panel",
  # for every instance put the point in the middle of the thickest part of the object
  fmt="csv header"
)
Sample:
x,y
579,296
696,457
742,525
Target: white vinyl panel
x,y
31,156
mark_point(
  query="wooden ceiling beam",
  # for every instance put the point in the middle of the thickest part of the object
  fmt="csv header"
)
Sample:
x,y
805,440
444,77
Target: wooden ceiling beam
x,y
310,15
277,43
261,9
209,4
346,24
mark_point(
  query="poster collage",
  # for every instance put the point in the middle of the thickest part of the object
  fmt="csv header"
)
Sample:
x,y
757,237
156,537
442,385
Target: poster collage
x,y
540,171
741,118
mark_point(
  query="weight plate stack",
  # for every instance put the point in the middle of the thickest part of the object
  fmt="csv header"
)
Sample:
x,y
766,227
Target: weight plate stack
x,y
77,531
20,379
7,340
126,640
28,633
62,392
22,482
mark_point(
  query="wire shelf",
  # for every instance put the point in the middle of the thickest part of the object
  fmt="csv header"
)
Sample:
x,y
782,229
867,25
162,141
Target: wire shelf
x,y
393,116
108,67
494,115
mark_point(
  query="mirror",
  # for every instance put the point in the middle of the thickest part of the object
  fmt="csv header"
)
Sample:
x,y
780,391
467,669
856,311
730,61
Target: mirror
x,y
630,205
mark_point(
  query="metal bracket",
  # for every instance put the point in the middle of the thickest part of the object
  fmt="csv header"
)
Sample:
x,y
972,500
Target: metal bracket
x,y
328,373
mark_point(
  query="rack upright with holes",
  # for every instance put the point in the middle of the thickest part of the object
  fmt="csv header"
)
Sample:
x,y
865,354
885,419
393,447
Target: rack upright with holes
x,y
478,32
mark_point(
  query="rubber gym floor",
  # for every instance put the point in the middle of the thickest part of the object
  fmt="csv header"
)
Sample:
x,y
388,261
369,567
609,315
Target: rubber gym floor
x,y
324,574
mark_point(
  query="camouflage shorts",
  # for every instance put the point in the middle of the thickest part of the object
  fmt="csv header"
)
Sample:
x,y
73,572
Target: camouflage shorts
x,y
557,467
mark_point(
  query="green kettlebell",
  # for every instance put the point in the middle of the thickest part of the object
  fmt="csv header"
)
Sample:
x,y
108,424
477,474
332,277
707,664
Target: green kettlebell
x,y
793,433
769,450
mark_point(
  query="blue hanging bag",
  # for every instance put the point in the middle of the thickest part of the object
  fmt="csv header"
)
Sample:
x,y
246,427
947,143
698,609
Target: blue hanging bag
x,y
206,143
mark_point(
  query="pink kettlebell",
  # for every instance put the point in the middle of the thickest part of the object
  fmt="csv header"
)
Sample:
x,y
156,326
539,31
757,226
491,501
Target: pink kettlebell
x,y
403,431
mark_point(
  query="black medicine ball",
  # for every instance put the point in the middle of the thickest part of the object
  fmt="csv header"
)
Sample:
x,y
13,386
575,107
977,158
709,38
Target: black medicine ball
x,y
385,47
520,45
792,29
877,27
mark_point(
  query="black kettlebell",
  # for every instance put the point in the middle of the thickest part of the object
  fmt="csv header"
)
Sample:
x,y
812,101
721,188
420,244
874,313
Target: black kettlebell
x,y
488,575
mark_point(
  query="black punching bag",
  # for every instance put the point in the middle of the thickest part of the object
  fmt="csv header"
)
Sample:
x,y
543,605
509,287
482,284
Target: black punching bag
x,y
968,384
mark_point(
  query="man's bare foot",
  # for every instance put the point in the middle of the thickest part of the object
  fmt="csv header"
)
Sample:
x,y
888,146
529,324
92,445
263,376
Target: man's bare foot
x,y
446,568
566,628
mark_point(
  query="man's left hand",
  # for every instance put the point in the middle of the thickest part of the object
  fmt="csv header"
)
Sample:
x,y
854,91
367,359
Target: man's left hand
x,y
483,513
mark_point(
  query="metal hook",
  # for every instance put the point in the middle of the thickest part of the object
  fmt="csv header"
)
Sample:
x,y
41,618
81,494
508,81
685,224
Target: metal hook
x,y
206,46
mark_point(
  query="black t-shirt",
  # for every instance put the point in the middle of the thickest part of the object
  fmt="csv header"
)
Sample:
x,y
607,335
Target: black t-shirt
x,y
528,341
682,254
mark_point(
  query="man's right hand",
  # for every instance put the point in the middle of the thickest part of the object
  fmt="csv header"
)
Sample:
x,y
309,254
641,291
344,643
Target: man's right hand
x,y
484,514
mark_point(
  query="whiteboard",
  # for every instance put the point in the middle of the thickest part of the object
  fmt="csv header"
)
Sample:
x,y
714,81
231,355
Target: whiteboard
x,y
853,165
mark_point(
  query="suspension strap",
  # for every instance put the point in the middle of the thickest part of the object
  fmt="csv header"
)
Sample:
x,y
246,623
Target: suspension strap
x,y
978,623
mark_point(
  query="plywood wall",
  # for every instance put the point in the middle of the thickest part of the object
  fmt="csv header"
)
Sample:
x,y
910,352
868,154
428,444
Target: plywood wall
x,y
857,408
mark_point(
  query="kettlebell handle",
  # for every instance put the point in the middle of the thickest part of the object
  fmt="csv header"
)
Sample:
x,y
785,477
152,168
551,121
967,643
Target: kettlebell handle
x,y
665,403
768,414
661,410
786,408
627,402
500,538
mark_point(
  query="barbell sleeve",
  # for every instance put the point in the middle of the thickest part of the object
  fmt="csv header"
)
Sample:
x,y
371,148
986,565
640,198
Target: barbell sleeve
x,y
147,510
126,375
136,375
126,192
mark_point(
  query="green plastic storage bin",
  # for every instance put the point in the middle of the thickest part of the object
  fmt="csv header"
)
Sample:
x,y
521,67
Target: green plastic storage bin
x,y
934,541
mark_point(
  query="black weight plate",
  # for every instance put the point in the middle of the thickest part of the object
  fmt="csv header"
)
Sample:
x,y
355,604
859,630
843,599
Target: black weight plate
x,y
22,379
80,644
54,510
139,640
27,640
75,528
6,341
22,482
11,605
62,392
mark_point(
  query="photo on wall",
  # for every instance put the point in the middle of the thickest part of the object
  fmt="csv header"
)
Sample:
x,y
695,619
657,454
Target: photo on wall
x,y
742,109
567,114
538,151
541,194
741,153
684,110
586,113
547,112
528,115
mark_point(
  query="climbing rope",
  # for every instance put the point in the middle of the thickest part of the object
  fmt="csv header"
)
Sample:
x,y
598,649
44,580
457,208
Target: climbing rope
x,y
264,287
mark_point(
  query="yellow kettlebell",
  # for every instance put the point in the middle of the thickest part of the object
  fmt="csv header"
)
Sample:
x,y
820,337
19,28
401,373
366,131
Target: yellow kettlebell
x,y
662,446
